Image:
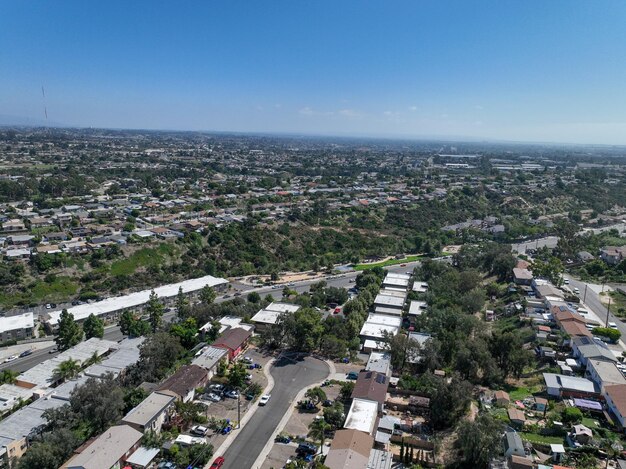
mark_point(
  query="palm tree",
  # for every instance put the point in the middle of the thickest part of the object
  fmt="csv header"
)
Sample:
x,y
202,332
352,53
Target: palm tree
x,y
318,429
8,377
95,358
612,448
67,369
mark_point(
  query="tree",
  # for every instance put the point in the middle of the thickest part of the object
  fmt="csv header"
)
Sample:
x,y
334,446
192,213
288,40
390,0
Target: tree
x,y
99,403
51,451
67,369
318,429
207,295
316,395
186,332
182,305
401,348
155,311
157,355
69,333
237,376
612,334
571,416
8,376
335,415
93,327
132,326
254,297
190,412
449,401
479,440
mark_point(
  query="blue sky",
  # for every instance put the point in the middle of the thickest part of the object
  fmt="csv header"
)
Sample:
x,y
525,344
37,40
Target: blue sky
x,y
514,70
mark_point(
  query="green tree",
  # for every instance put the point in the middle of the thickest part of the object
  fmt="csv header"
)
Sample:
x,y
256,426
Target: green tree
x,y
571,416
316,395
190,412
182,304
98,403
318,429
93,327
254,297
237,375
479,440
335,415
186,332
127,320
8,376
69,332
155,311
50,451
67,369
207,295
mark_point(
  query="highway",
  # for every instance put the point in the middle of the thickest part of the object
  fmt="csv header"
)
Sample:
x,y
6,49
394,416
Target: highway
x,y
592,299
113,332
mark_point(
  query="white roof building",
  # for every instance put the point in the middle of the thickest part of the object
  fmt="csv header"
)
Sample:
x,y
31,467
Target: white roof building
x,y
417,308
420,287
133,300
362,415
389,301
17,322
271,313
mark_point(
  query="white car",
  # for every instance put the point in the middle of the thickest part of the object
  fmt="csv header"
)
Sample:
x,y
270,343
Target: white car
x,y
612,325
264,399
11,358
576,290
214,397
199,430
248,360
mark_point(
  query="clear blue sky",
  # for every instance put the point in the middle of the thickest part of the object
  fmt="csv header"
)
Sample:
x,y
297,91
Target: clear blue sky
x,y
545,70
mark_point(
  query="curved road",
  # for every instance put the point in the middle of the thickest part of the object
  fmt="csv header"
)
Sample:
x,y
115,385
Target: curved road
x,y
290,376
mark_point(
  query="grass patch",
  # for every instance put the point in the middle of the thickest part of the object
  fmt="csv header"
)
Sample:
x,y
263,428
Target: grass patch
x,y
59,290
145,257
388,262
520,392
541,439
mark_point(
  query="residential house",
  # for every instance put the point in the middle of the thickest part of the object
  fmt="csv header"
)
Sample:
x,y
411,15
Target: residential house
x,y
502,398
109,450
350,449
604,373
613,255
522,276
569,386
182,384
234,341
371,386
587,348
151,413
513,444
516,417
615,397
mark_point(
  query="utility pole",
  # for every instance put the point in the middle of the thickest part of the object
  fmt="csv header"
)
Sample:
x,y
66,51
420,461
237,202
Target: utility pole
x,y
585,295
238,409
608,308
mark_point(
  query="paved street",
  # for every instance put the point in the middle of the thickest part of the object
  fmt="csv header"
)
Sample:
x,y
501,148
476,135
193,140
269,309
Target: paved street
x,y
290,376
592,299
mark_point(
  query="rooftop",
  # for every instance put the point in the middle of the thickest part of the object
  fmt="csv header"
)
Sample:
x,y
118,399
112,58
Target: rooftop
x,y
106,450
149,409
362,416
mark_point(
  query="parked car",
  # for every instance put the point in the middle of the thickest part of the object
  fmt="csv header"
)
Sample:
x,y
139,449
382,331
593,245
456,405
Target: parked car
x,y
218,463
216,387
26,353
264,399
612,325
166,465
233,394
352,375
198,430
214,397
306,448
247,359
11,358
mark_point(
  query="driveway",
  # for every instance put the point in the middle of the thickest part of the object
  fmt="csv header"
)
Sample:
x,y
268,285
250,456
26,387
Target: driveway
x,y
290,376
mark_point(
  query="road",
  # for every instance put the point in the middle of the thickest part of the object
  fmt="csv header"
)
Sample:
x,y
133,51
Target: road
x,y
290,376
550,241
592,299
113,332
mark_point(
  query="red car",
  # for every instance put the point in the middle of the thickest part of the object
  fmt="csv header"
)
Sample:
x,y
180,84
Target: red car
x,y
217,463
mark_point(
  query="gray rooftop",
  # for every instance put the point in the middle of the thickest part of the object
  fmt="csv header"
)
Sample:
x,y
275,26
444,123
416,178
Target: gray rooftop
x,y
149,409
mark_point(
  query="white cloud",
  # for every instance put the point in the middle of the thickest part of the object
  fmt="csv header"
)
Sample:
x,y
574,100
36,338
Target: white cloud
x,y
412,108
351,113
478,107
306,111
